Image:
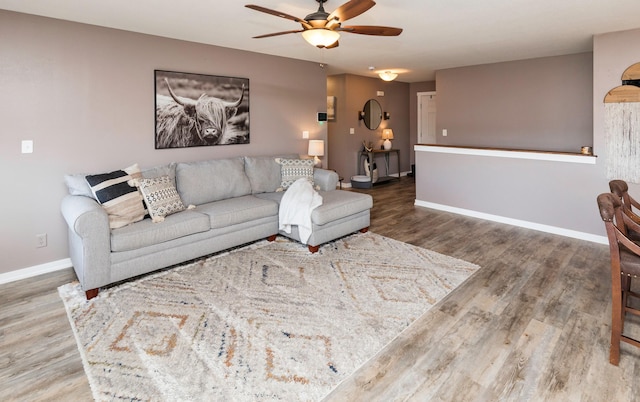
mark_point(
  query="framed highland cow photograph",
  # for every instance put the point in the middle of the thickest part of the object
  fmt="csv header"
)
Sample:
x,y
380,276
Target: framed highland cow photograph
x,y
194,110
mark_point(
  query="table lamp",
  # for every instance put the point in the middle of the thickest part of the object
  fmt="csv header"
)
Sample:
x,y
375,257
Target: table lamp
x,y
316,148
387,134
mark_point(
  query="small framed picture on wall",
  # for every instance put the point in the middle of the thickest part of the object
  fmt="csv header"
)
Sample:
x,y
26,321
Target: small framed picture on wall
x,y
331,108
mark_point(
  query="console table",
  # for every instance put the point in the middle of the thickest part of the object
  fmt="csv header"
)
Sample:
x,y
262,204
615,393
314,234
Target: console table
x,y
371,156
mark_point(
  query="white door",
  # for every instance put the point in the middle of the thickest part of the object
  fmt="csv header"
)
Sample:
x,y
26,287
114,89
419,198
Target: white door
x,y
426,118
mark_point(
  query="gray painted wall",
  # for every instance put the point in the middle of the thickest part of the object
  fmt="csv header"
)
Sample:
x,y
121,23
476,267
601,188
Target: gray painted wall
x,y
553,193
540,104
613,53
351,92
85,96
557,194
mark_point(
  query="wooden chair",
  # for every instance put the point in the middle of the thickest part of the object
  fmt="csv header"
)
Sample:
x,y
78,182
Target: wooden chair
x,y
625,265
621,189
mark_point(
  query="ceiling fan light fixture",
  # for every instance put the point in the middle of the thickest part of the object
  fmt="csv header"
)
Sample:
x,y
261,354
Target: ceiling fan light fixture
x,y
320,37
388,76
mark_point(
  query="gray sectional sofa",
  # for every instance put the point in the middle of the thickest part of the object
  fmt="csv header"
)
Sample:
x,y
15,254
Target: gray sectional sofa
x,y
235,201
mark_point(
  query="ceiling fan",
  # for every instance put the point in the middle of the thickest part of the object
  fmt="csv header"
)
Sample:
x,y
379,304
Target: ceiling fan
x,y
322,29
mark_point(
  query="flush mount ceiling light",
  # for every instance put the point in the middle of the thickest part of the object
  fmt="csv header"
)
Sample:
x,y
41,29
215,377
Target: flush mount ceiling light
x,y
388,76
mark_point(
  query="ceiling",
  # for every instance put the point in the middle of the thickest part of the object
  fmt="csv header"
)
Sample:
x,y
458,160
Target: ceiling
x,y
437,33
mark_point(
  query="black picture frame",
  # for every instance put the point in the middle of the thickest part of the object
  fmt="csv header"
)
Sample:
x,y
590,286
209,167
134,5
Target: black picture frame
x,y
193,110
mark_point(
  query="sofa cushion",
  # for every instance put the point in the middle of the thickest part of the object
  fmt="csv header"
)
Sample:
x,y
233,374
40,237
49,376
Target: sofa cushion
x,y
294,169
161,197
118,195
277,197
161,170
264,172
208,181
339,204
238,210
146,233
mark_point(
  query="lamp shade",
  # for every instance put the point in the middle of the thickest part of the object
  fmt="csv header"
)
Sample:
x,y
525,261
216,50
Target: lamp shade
x,y
386,76
316,148
320,37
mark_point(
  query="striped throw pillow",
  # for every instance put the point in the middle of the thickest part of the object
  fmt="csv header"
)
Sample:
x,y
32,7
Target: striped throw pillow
x,y
118,195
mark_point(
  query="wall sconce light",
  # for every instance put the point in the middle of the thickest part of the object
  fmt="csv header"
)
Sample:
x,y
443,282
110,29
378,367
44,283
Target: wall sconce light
x,y
316,148
387,134
386,115
388,76
361,115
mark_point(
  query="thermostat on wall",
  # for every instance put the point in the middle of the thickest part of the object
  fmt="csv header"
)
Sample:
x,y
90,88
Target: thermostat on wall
x,y
322,116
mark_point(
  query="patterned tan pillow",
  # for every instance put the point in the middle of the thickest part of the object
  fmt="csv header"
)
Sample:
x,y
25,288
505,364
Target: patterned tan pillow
x,y
161,197
294,169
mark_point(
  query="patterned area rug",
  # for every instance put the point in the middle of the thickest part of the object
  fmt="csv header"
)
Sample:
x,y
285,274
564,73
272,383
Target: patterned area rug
x,y
269,321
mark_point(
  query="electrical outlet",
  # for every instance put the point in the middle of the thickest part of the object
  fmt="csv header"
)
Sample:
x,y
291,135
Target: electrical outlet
x,y
41,240
444,132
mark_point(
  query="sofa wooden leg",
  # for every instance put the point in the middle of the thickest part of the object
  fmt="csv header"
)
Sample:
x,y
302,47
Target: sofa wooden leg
x,y
91,293
313,249
272,238
364,230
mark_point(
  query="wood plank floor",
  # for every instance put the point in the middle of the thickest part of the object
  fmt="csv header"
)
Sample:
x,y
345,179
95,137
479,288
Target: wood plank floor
x,y
531,325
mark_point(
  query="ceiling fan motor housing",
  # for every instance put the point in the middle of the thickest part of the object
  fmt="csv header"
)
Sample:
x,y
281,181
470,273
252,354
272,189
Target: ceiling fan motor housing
x,y
319,18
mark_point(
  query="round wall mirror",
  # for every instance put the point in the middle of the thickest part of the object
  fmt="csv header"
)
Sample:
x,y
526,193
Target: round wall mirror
x,y
372,114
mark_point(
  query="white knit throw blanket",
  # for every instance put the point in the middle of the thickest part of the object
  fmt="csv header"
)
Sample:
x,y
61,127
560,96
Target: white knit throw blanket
x,y
622,135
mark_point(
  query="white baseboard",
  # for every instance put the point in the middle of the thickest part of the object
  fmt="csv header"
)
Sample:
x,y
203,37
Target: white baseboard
x,y
516,222
36,270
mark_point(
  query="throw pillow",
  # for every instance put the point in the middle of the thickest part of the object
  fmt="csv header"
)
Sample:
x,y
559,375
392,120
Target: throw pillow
x,y
117,194
294,169
161,197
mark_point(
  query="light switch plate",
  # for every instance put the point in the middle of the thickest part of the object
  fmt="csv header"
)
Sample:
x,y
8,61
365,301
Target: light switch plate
x,y
305,135
27,146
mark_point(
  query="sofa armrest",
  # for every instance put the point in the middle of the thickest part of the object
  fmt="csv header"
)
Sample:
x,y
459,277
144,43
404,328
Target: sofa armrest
x,y
326,179
89,240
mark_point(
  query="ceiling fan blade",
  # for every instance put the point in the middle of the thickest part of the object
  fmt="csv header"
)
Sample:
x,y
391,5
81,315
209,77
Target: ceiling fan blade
x,y
351,9
278,14
278,33
371,30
